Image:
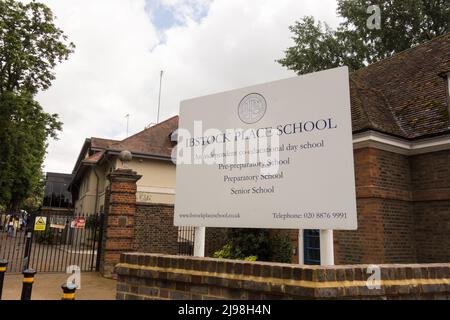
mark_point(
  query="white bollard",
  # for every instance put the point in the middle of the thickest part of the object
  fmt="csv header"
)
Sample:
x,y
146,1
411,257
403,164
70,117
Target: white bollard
x,y
199,241
326,248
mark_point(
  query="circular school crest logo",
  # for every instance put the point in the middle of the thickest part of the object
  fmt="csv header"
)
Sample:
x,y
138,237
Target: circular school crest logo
x,y
252,108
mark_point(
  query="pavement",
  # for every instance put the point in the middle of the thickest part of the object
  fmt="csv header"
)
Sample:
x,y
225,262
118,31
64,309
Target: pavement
x,y
47,286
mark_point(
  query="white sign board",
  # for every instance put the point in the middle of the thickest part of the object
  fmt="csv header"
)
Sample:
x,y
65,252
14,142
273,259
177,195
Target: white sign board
x,y
275,155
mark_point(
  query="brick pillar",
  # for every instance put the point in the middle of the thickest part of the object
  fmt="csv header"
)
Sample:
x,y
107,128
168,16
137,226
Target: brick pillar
x,y
119,219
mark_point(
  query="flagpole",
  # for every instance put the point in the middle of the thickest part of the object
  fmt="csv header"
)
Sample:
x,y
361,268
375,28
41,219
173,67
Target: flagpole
x,y
159,97
128,118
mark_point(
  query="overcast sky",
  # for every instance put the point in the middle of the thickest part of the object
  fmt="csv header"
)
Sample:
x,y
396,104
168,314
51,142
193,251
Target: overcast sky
x,y
203,46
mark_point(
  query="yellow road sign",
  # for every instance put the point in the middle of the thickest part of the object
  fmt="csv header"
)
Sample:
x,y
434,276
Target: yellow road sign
x,y
40,223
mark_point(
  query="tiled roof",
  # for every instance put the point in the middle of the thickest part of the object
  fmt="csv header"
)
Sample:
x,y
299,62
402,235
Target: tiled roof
x,y
405,95
95,157
154,140
102,143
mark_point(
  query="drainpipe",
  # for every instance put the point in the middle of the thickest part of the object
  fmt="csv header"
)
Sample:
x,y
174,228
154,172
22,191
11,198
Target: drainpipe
x,y
96,190
112,166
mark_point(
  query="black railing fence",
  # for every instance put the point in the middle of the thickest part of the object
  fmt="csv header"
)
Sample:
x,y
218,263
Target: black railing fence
x,y
186,237
50,242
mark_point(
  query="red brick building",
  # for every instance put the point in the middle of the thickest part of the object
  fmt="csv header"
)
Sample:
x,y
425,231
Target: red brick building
x,y
401,138
401,135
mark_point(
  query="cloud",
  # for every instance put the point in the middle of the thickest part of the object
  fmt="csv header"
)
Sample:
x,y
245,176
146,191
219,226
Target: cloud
x,y
211,47
168,13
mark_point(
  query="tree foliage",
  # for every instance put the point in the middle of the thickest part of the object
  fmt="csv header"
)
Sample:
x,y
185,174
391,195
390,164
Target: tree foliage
x,y
35,200
30,47
24,128
404,24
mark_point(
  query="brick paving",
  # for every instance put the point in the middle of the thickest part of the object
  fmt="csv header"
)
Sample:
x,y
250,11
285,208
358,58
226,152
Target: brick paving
x,y
47,286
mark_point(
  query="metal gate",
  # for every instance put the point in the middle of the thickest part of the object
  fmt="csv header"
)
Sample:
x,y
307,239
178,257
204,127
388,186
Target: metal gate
x,y
68,240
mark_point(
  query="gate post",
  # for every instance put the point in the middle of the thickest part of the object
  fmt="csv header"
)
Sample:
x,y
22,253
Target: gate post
x,y
118,236
3,265
28,243
101,228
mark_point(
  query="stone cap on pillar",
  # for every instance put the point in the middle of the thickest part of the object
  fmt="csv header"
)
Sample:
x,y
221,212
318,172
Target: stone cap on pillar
x,y
124,175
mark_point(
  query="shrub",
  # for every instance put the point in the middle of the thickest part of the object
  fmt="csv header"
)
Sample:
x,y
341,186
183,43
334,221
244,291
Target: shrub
x,y
281,248
255,244
45,237
92,222
226,253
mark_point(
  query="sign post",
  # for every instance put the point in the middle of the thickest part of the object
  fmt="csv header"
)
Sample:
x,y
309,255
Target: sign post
x,y
326,248
199,241
277,155
301,246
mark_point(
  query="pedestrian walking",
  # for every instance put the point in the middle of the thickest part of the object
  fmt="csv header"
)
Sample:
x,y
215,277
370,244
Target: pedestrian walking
x,y
10,228
24,219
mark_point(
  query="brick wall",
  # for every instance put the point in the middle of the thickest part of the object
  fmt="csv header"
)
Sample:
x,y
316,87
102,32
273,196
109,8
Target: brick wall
x,y
150,276
403,209
431,211
385,220
432,231
431,171
154,229
155,232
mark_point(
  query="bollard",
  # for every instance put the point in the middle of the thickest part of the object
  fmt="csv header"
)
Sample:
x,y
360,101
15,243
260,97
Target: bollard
x,y
28,279
3,265
69,291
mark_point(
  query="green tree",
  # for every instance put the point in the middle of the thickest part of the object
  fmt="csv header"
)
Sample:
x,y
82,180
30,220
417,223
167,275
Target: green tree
x,y
34,201
30,47
24,129
404,24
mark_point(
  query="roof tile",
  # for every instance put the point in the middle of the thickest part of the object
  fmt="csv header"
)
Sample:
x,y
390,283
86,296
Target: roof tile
x,y
404,95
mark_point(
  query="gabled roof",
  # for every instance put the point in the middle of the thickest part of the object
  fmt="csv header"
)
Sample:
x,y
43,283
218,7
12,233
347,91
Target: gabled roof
x,y
154,140
94,158
406,94
102,143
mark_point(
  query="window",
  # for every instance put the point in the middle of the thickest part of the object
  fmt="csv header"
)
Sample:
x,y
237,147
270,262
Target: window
x,y
311,241
56,193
